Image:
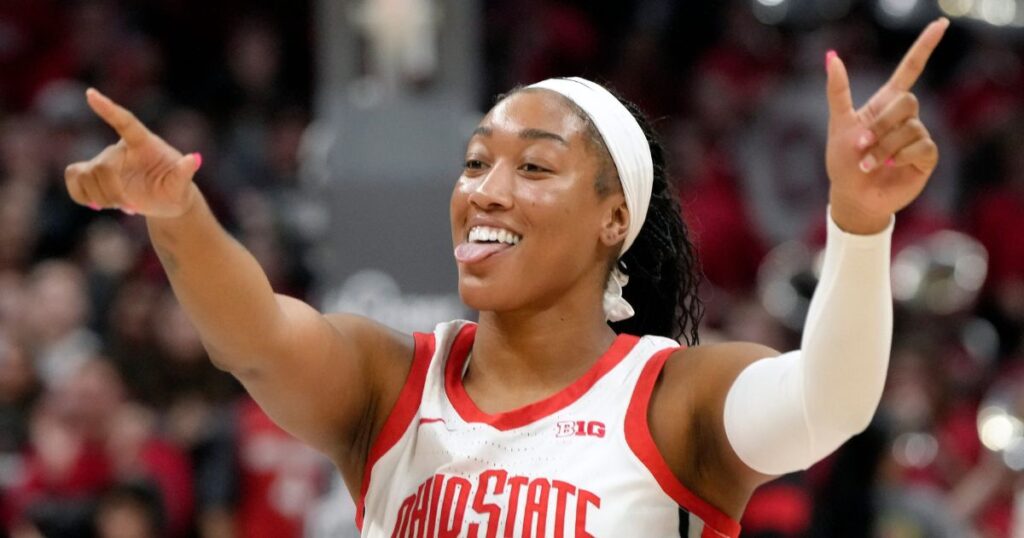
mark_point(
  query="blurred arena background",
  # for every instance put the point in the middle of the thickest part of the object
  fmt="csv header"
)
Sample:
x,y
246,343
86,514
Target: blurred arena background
x,y
332,132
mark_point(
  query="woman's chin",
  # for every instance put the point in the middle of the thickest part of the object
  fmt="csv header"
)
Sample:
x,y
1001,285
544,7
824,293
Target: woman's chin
x,y
485,296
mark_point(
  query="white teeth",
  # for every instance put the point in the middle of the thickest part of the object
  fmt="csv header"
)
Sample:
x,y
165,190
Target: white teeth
x,y
486,233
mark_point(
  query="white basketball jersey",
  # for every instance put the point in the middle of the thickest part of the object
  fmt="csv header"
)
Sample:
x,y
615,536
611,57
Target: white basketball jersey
x,y
580,463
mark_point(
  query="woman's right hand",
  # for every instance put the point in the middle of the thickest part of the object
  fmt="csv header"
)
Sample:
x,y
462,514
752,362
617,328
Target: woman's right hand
x,y
139,174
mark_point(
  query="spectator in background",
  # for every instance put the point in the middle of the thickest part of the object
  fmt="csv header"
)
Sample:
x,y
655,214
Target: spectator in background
x,y
19,390
138,454
64,473
130,510
55,313
130,340
280,477
127,433
730,246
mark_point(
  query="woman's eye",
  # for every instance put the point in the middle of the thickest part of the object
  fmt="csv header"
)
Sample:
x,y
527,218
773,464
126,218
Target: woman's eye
x,y
532,168
473,164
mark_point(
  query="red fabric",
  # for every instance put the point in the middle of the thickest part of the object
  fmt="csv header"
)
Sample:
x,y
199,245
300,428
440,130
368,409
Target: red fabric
x,y
280,476
779,508
957,434
748,76
996,519
87,477
728,245
171,470
977,104
567,42
995,216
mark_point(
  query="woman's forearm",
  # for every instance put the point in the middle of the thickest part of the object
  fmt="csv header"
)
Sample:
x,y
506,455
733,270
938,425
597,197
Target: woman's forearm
x,y
848,334
219,283
786,413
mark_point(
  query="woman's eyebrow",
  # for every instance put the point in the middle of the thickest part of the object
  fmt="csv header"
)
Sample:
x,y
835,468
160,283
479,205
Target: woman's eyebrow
x,y
537,134
526,134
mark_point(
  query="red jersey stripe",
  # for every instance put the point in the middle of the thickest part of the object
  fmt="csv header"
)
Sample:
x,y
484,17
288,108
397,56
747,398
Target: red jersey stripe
x,y
638,437
401,415
527,414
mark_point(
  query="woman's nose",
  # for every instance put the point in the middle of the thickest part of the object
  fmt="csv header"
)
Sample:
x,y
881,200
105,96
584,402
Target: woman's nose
x,y
493,190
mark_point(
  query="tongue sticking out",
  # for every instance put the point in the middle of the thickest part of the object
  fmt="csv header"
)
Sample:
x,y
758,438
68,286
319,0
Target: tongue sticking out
x,y
474,252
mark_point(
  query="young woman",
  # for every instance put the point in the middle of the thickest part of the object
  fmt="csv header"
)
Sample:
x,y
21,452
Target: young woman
x,y
542,418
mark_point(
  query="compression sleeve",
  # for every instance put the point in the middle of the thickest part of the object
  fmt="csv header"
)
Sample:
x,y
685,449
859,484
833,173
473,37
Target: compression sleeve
x,y
785,413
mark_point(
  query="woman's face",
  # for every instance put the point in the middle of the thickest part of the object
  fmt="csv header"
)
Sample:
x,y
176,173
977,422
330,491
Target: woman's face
x,y
528,224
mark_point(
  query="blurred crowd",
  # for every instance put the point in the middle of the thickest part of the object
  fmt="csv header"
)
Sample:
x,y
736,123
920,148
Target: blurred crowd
x,y
113,423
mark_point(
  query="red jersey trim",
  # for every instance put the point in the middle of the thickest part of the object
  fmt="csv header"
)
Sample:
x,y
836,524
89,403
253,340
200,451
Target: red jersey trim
x,y
517,418
401,415
640,441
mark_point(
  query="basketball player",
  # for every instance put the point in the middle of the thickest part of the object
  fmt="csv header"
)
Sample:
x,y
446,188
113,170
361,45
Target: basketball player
x,y
542,419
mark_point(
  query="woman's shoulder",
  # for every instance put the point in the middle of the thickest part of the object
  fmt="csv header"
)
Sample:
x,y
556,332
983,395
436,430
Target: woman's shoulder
x,y
685,415
711,367
719,354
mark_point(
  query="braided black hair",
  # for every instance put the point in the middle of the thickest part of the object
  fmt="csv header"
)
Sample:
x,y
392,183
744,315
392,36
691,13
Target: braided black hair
x,y
664,274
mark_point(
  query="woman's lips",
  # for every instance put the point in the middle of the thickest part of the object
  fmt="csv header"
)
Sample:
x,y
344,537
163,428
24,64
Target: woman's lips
x,y
470,252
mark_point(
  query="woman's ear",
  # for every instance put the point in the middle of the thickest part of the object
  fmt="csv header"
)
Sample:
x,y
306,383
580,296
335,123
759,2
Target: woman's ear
x,y
615,222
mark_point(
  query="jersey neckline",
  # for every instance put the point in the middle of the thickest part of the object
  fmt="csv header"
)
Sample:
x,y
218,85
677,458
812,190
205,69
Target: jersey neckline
x,y
522,416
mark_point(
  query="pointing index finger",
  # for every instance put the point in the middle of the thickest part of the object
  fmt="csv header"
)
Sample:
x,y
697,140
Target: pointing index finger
x,y
123,121
912,65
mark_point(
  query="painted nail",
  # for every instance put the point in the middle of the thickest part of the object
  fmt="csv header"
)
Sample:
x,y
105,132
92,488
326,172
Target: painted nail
x,y
128,210
868,164
828,58
94,207
865,140
199,160
890,161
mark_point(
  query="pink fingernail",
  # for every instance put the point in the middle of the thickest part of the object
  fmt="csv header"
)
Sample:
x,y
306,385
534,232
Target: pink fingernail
x,y
94,207
868,164
199,160
128,210
889,162
828,58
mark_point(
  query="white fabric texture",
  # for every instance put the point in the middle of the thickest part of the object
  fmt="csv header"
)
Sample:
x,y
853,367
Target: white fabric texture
x,y
616,308
784,414
630,151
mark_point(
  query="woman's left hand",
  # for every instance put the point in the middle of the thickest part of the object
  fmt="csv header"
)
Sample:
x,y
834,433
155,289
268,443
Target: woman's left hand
x,y
879,157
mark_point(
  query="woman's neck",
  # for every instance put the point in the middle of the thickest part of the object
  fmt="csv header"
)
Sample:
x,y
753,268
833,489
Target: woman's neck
x,y
539,350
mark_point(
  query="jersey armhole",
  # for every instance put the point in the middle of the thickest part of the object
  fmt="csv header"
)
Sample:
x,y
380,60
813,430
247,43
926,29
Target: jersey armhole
x,y
401,414
640,441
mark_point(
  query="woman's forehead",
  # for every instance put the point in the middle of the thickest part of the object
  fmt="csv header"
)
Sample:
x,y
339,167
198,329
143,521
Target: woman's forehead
x,y
537,109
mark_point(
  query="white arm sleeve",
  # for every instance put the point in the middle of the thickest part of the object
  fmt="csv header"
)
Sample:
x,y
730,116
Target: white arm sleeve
x,y
783,414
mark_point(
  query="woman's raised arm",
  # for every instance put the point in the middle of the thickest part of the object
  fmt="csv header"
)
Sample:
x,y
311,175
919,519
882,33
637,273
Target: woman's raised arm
x,y
315,375
765,416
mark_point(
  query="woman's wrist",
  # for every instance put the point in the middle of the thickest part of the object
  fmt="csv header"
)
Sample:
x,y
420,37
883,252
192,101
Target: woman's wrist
x,y
852,220
193,199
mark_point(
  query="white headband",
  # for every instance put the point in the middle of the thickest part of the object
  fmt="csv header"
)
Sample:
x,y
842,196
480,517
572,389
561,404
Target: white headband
x,y
631,153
